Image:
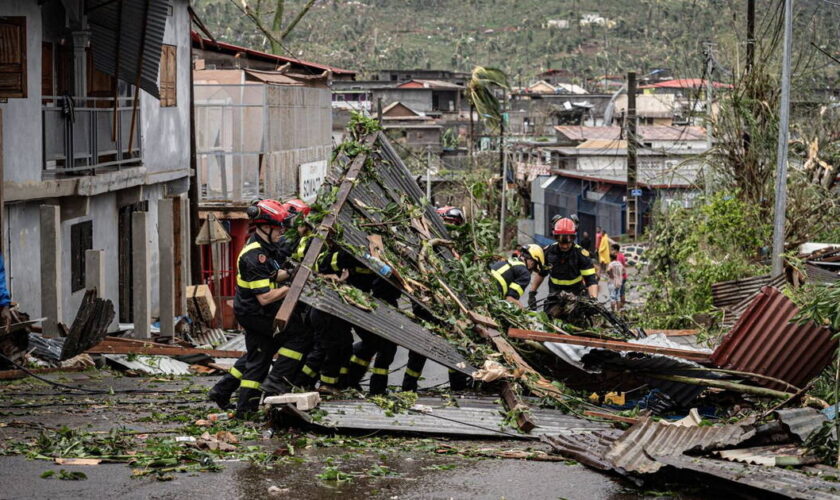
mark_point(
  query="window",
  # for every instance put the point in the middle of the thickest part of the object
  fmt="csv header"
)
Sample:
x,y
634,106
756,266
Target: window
x,y
81,240
168,76
12,57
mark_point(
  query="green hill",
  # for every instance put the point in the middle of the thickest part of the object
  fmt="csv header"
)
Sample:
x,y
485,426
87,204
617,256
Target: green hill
x,y
524,37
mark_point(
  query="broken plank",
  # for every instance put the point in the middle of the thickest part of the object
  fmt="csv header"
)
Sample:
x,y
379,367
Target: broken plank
x,y
612,345
15,374
514,403
317,243
108,347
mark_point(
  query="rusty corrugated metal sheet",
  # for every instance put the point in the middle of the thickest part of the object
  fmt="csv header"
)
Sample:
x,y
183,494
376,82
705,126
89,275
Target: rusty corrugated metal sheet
x,y
790,483
765,341
633,450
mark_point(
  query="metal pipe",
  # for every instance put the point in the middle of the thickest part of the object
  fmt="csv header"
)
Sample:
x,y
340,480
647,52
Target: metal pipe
x,y
782,151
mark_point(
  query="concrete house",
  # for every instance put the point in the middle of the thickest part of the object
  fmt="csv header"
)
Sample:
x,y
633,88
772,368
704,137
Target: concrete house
x,y
259,134
94,104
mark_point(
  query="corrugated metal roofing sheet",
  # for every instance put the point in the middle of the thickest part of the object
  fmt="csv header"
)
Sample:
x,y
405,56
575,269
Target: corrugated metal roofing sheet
x,y
126,38
634,449
637,363
730,293
801,422
775,455
587,448
482,417
389,323
790,483
764,341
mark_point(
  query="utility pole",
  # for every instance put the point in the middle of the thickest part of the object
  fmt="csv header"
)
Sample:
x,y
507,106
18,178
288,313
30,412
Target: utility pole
x,y
429,175
632,160
750,34
503,158
782,151
709,69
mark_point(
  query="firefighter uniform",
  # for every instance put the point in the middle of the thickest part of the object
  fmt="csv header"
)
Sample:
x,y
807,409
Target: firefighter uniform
x,y
571,271
333,340
257,265
512,276
371,344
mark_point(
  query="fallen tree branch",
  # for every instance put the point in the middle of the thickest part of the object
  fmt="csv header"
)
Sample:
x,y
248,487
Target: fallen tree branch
x,y
720,384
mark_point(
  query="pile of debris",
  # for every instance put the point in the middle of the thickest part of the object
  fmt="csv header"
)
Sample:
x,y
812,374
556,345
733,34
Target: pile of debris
x,y
613,375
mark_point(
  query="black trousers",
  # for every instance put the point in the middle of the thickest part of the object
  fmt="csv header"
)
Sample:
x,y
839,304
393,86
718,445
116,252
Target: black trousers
x,y
414,368
294,344
260,345
331,348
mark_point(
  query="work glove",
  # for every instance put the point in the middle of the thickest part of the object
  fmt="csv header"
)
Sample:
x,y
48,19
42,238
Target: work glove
x,y
532,300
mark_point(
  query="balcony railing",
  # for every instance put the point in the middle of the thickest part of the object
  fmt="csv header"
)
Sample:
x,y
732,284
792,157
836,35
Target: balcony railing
x,y
87,133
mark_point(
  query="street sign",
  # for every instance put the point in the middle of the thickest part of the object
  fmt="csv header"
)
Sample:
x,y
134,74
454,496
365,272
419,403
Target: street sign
x,y
311,177
636,192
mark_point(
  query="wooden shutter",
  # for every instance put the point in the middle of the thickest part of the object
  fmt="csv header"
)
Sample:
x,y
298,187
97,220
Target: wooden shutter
x,y
168,72
12,57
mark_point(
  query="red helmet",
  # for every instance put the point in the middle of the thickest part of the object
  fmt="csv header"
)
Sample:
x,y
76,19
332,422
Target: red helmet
x,y
564,227
297,207
451,215
270,212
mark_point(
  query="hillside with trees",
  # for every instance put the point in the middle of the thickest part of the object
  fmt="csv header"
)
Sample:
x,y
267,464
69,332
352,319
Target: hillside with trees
x,y
524,37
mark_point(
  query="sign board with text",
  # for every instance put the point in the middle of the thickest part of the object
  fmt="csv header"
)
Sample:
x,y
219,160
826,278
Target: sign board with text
x,y
311,176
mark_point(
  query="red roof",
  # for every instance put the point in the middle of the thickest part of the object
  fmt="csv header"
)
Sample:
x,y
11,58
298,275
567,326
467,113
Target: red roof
x,y
685,83
429,84
203,43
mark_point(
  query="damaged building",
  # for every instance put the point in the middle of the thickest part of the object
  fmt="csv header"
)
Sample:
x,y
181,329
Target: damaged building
x,y
96,127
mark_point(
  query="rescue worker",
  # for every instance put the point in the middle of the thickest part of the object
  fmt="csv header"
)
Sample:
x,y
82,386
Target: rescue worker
x,y
372,345
567,265
333,340
451,215
514,274
258,297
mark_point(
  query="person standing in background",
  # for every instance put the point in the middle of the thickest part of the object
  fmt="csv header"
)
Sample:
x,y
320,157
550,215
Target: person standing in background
x,y
623,260
586,242
615,272
5,299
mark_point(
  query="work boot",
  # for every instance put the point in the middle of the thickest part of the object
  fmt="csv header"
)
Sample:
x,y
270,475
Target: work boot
x,y
410,383
378,384
248,403
353,377
221,399
457,381
275,387
329,390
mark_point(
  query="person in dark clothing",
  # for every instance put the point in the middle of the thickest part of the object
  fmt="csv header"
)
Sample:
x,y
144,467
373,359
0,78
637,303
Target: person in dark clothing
x,y
333,339
568,266
514,275
372,345
258,297
586,242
